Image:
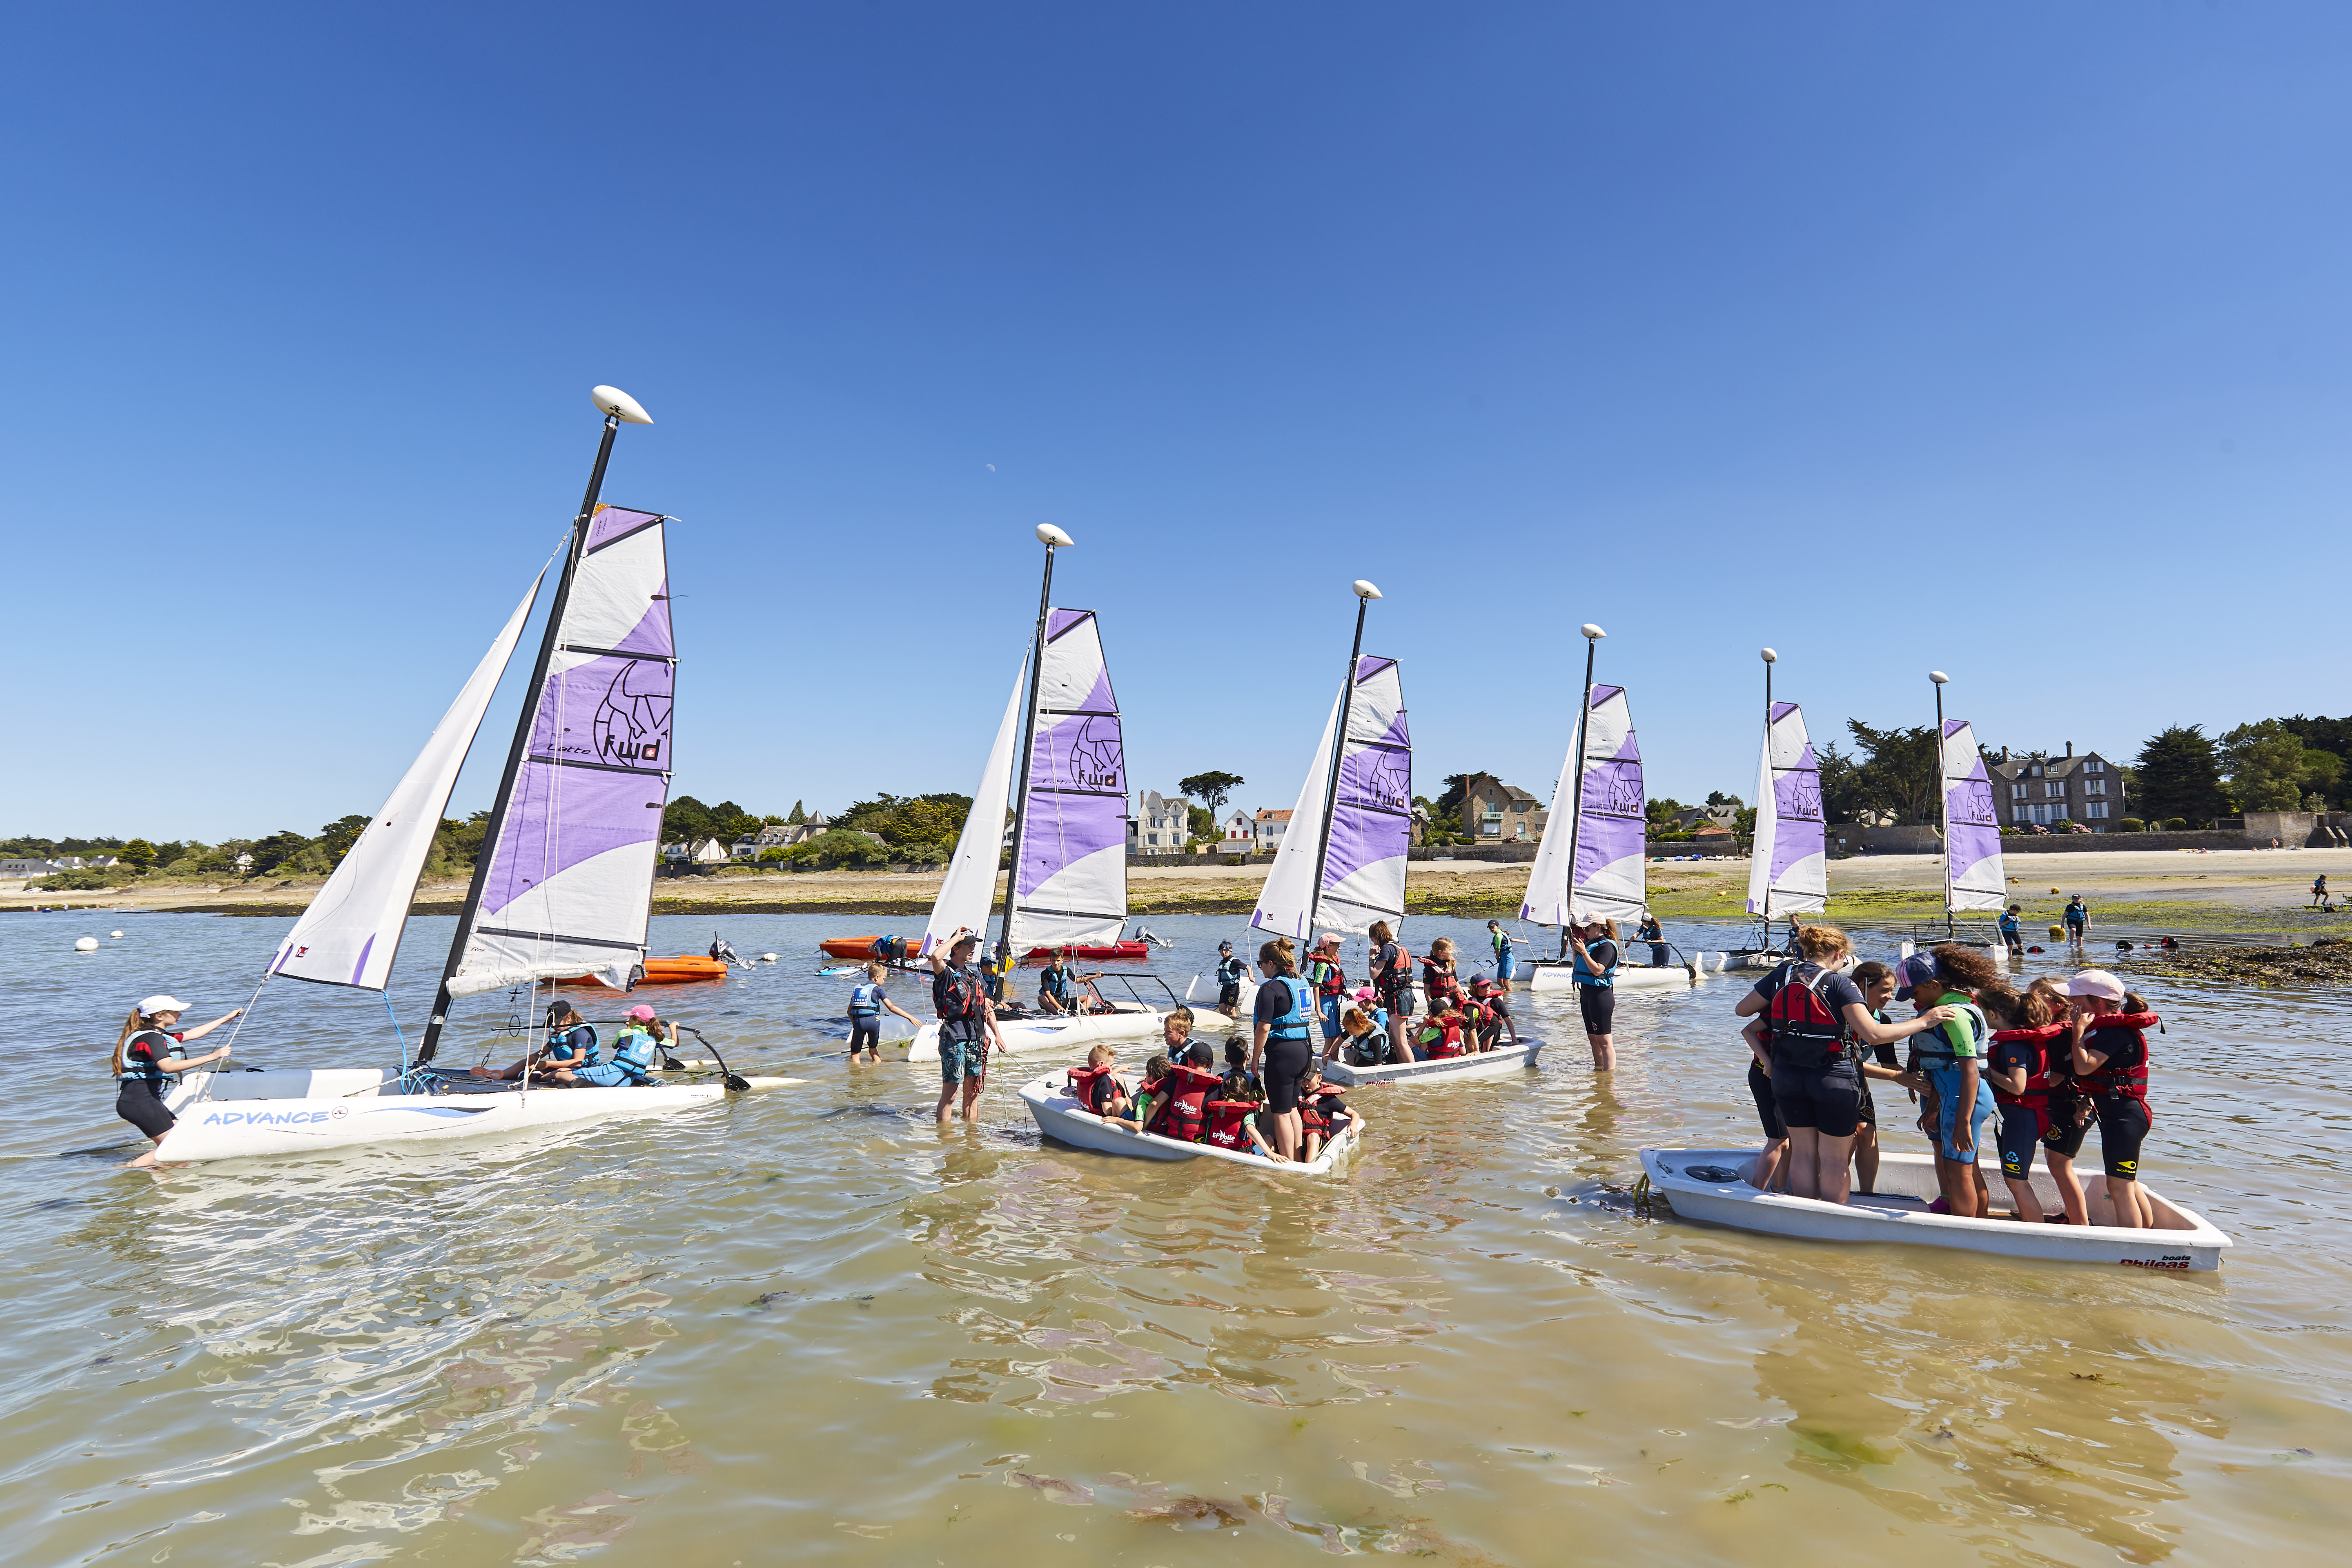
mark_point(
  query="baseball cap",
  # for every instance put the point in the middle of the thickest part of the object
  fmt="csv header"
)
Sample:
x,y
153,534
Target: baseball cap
x,y
2096,982
1365,993
154,1005
1225,947
1919,969
641,1013
1328,939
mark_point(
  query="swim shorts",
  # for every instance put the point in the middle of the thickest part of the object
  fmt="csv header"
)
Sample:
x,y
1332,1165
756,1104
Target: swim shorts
x,y
2060,1134
1946,1080
865,1035
2021,1129
1599,1006
1822,1100
2123,1126
144,1109
1768,1110
963,1062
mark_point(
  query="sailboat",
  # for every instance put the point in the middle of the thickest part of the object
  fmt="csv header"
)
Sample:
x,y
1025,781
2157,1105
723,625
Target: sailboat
x,y
1599,828
1788,869
563,886
1069,886
1974,876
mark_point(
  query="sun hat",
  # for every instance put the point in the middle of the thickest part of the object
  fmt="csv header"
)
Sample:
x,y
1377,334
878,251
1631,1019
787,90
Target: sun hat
x,y
1328,939
160,1004
2096,982
1917,970
641,1012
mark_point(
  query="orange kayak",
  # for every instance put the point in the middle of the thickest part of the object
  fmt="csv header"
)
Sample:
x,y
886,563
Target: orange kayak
x,y
886,948
683,970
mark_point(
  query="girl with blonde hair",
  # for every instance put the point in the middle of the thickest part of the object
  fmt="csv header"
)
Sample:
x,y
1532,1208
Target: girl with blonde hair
x,y
147,1056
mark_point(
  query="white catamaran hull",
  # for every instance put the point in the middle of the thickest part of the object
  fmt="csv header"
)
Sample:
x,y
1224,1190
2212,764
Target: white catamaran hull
x,y
2182,1238
1060,1117
1201,995
249,1115
1041,1037
1445,1070
1550,975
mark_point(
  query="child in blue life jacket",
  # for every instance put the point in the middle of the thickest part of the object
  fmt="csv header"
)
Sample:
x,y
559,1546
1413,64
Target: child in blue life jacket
x,y
868,1003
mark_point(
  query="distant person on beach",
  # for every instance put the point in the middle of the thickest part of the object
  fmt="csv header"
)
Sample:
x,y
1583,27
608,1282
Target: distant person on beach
x,y
1507,958
2319,892
147,1057
1593,943
1651,931
868,1003
2078,921
2012,937
967,1022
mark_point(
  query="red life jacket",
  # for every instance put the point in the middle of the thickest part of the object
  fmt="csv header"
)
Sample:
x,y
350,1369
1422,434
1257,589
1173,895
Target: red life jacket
x,y
1438,1037
1083,1081
1314,1116
1188,1090
2112,1034
1798,1021
1334,980
2037,1077
956,997
1439,982
1227,1124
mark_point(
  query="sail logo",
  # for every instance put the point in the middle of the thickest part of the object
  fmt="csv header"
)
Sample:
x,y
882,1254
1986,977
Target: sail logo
x,y
1096,756
1387,784
632,723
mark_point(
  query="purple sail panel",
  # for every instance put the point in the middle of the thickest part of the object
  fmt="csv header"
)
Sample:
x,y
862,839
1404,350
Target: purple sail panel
x,y
1371,815
612,523
1797,798
1069,881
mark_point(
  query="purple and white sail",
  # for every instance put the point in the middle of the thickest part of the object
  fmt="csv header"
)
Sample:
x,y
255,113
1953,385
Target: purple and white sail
x,y
571,873
352,930
1610,834
1069,868
1788,869
1974,878
1370,820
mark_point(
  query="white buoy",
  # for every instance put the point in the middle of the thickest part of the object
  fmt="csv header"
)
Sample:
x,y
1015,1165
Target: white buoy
x,y
86,944
115,934
767,958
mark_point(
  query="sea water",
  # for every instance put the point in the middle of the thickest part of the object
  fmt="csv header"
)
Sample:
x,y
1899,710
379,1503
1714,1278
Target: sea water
x,y
809,1326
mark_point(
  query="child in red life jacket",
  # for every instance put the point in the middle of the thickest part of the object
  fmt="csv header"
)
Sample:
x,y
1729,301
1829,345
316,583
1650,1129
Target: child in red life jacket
x,y
1325,1113
1437,977
1097,1086
2109,1048
1152,1092
1190,1084
1440,1034
2018,1067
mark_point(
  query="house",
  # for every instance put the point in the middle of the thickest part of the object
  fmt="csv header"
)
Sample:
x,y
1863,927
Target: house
x,y
1495,813
1240,834
1161,826
710,852
28,867
1267,829
2034,789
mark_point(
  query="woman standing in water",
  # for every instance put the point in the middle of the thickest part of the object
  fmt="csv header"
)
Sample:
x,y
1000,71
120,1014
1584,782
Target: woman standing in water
x,y
146,1057
1594,943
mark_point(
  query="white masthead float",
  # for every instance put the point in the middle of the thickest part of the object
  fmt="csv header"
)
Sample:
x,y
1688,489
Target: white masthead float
x,y
563,883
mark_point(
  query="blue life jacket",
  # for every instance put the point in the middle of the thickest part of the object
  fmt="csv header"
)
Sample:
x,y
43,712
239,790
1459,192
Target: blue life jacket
x,y
865,1001
142,1069
2077,915
1587,975
2008,925
1230,971
574,1048
634,1053
1292,1024
1055,982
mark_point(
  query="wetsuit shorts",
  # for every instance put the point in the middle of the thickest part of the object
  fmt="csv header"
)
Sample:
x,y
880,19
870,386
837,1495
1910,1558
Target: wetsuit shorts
x,y
1822,1100
1329,1007
2060,1133
1229,994
963,1062
1599,1006
144,1108
2021,1129
1862,1092
1768,1110
1946,1080
865,1035
1506,964
2123,1126
1285,1063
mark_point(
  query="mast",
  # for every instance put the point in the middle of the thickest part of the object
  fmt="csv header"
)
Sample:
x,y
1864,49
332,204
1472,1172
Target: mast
x,y
1365,594
1592,636
1942,796
617,405
1765,914
1052,538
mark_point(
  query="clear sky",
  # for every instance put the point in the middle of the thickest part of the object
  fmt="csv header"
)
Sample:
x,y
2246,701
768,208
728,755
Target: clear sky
x,y
2006,339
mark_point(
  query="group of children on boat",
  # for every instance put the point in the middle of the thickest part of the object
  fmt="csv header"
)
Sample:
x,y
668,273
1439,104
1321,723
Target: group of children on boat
x,y
1373,1024
2049,1062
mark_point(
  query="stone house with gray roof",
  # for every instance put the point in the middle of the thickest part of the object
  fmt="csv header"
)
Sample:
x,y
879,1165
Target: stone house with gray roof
x,y
2034,789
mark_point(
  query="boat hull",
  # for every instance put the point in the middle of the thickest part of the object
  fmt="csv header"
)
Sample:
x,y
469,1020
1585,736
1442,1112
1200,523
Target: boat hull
x,y
341,1109
1045,1036
1445,1070
2183,1239
1550,975
1201,995
1060,1117
869,947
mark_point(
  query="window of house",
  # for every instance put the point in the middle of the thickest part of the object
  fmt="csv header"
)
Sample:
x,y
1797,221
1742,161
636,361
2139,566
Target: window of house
x,y
2094,766
2095,810
2037,769
1490,825
2094,786
2017,791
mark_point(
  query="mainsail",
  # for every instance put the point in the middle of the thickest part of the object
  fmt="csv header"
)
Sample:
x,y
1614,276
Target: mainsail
x,y
1363,834
569,874
1069,868
1974,878
1788,870
1610,834
969,887
351,933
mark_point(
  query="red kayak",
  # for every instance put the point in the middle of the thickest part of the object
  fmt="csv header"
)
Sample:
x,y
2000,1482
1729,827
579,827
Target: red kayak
x,y
899,949
1128,951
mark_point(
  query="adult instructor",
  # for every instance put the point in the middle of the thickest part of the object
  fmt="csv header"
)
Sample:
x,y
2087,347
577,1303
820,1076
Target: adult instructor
x,y
1594,944
1280,1050
146,1057
967,1022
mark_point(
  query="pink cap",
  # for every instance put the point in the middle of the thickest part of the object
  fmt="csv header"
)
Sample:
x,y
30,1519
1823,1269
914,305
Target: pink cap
x,y
2096,982
642,1013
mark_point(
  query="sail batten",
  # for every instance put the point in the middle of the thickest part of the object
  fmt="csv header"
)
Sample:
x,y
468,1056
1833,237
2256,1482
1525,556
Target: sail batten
x,y
350,933
1974,878
569,877
1788,862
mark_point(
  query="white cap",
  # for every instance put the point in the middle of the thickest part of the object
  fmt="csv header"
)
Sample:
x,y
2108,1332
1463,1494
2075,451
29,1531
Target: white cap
x,y
154,1005
2096,982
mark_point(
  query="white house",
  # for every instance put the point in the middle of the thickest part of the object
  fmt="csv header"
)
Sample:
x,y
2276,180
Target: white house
x,y
1241,833
28,867
1270,826
1161,826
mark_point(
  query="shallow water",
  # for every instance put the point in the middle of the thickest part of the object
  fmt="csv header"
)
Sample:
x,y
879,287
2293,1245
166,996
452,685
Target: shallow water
x,y
810,1325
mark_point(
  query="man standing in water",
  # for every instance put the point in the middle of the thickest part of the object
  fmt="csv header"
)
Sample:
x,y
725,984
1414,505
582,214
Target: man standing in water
x,y
2078,921
2010,937
967,1022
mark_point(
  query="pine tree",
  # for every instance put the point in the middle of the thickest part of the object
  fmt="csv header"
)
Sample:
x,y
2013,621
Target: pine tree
x,y
2179,776
798,815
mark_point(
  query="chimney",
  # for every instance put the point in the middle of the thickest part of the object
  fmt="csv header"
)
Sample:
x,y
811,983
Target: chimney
x,y
2070,748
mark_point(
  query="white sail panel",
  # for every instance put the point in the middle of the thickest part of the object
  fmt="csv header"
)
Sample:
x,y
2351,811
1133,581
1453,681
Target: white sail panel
x,y
1767,829
352,930
1286,904
571,874
1546,900
1789,866
1974,878
969,889
1069,876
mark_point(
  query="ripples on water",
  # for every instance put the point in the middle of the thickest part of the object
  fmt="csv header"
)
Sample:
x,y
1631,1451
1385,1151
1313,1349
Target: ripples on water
x,y
809,1326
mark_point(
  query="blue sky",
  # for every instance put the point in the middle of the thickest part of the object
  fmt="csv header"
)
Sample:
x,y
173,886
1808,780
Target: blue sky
x,y
2008,339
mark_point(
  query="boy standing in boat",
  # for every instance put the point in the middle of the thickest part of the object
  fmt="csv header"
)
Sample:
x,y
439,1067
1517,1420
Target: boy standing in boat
x,y
967,1022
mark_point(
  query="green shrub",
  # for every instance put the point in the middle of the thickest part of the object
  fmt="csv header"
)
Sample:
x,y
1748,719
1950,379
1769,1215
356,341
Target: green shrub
x,y
2130,825
2176,824
87,878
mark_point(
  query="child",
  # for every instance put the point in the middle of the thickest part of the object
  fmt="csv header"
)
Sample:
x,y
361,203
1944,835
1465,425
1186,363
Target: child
x,y
1438,976
1176,1033
1324,1112
2110,1059
1440,1034
868,1003
2066,1111
1099,1088
1875,981
1152,1095
1239,1083
1366,1045
2018,1067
